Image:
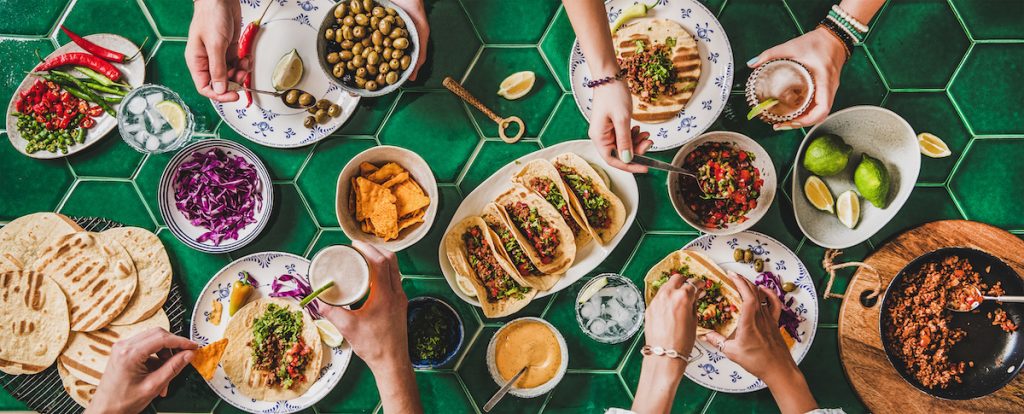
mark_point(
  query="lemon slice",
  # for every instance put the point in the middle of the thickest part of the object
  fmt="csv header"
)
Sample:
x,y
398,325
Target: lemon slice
x,y
288,71
592,289
932,145
848,209
761,107
817,193
173,113
517,85
465,285
328,333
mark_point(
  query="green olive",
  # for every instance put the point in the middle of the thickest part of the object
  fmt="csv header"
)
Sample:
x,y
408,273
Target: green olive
x,y
387,42
348,21
389,19
333,58
321,116
387,52
355,6
377,38
406,61
362,20
378,11
291,97
378,48
373,58
340,10
400,22
346,33
347,44
334,110
396,33
374,21
305,99
339,70
748,256
367,5
390,11
350,66
366,42
366,52
394,64
788,287
359,32
358,61
384,68
329,34
339,36
737,255
758,265
391,78
401,43
380,79
309,122
384,26
361,73
346,55
323,104
311,110
357,49
360,82
371,85
372,70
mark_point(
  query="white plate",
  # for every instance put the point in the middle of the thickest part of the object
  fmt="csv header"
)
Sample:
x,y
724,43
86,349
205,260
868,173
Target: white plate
x,y
716,72
492,366
870,130
287,26
622,184
133,72
183,229
263,267
712,369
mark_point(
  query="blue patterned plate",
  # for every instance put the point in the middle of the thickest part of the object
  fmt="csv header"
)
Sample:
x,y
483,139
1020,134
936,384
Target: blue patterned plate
x,y
712,369
715,76
289,24
263,267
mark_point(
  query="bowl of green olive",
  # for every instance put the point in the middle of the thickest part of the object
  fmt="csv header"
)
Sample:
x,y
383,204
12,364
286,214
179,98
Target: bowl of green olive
x,y
368,47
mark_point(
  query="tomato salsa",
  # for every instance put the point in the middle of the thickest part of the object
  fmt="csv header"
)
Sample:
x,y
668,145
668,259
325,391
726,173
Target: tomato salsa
x,y
595,205
734,182
546,188
713,309
522,263
542,236
278,346
498,284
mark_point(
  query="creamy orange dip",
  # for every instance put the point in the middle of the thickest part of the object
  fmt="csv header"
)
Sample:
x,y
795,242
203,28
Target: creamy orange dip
x,y
527,343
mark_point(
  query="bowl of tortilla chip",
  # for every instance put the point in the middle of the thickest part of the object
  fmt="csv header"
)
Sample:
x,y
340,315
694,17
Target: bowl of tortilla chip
x,y
387,197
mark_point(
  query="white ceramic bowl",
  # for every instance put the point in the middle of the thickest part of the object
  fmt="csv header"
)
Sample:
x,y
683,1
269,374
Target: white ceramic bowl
x,y
418,170
530,392
762,161
870,130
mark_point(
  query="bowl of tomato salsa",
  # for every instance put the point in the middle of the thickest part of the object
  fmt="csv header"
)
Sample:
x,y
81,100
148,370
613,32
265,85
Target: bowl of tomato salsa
x,y
737,174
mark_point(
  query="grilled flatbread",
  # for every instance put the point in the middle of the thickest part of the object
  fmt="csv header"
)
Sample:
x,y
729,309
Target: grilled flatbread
x,y
564,252
541,177
154,270
97,275
25,237
33,322
698,265
8,263
685,58
87,352
510,296
589,181
79,390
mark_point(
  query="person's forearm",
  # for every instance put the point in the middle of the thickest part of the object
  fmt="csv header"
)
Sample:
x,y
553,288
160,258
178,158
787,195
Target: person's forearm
x,y
862,10
659,380
396,383
590,22
790,390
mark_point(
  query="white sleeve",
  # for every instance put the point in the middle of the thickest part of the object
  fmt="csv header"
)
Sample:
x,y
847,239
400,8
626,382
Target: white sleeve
x,y
618,411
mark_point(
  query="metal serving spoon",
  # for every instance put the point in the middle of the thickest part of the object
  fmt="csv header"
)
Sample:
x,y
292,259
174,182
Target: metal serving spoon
x,y
664,166
234,86
976,294
504,390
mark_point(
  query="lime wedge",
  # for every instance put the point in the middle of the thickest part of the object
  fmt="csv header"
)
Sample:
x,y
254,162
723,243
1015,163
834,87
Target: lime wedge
x,y
173,113
288,71
848,209
592,289
932,145
328,333
465,285
761,107
817,193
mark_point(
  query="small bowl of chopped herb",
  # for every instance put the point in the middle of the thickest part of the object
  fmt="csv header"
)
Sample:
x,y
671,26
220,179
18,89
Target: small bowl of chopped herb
x,y
435,332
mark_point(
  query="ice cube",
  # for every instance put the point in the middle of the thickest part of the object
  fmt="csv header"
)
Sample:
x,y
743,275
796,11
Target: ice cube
x,y
590,310
132,128
628,297
155,121
598,327
167,137
137,105
152,143
140,138
155,98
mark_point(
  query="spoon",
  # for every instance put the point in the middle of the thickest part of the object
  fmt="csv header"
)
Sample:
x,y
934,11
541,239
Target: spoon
x,y
504,390
233,86
664,166
978,298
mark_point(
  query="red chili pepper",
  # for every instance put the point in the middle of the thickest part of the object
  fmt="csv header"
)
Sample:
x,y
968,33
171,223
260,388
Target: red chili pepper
x,y
81,59
93,48
245,42
247,82
94,111
87,122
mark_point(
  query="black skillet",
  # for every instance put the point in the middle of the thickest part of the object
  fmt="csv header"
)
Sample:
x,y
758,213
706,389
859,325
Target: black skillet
x,y
997,355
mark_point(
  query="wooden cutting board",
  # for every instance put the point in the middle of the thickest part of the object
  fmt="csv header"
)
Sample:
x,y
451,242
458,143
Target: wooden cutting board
x,y
860,345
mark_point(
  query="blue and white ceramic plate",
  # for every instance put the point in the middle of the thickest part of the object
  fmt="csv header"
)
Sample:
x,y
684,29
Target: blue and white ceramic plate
x,y
715,76
264,267
712,369
289,24
182,228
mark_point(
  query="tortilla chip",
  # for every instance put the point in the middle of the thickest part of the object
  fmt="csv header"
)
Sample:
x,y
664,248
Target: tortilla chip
x,y
366,169
368,194
206,358
352,204
410,198
397,179
385,221
367,227
385,173
218,308
413,219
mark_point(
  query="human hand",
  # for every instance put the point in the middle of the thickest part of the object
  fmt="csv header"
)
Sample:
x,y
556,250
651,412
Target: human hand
x,y
609,127
824,56
211,53
419,19
133,378
671,322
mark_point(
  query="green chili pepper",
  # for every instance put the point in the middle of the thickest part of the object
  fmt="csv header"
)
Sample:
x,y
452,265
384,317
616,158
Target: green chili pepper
x,y
630,13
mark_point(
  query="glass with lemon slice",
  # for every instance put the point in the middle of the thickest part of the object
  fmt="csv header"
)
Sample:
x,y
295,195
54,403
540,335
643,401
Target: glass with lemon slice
x,y
153,119
779,90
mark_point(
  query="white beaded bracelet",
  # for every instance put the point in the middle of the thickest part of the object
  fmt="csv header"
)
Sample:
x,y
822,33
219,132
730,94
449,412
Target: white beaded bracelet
x,y
845,29
863,28
648,350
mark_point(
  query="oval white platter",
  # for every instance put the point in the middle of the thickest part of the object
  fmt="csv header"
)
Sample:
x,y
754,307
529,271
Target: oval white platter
x,y
622,184
133,72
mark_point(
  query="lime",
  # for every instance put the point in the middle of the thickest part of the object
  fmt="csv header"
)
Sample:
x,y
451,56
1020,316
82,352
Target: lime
x,y
872,180
329,333
827,155
173,113
817,193
592,289
932,145
517,85
465,285
761,107
288,71
848,209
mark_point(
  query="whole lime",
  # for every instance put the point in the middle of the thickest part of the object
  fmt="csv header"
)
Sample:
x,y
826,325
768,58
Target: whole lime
x,y
827,155
872,180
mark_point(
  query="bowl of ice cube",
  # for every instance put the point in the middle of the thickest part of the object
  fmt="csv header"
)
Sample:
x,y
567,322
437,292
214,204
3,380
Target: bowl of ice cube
x,y
154,119
610,308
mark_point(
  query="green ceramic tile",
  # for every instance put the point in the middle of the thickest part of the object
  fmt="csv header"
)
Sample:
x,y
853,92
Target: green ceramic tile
x,y
522,21
654,190
19,57
328,237
355,393
95,198
809,13
23,179
715,6
859,83
172,17
774,26
933,112
492,67
124,18
824,374
290,229
780,223
452,46
988,90
369,115
282,163
992,19
319,179
924,205
421,258
650,251
191,267
690,397
188,392
148,180
442,393
167,67
917,44
616,260
493,155
30,18
557,45
982,184
9,403
584,352
439,288
588,392
566,124
481,386
433,125
811,255
754,402
110,157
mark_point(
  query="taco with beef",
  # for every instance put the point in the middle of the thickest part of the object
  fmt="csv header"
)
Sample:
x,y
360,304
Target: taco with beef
x,y
602,211
471,248
511,250
662,67
541,177
718,308
540,230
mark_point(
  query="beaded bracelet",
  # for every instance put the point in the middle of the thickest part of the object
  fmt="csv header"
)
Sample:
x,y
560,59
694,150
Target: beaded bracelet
x,y
860,27
648,350
843,38
598,82
857,36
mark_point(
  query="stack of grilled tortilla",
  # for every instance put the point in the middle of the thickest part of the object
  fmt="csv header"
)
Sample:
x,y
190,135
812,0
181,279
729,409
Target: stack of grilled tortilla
x,y
67,295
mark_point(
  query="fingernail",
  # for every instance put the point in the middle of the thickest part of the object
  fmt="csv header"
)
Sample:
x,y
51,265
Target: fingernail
x,y
782,127
189,356
753,60
219,87
626,156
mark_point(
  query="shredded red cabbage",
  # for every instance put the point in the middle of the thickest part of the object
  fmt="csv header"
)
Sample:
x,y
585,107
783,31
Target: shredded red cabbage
x,y
788,319
219,193
298,291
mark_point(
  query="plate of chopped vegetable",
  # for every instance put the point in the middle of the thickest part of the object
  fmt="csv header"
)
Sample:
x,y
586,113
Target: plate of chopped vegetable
x,y
69,100
768,263
279,279
215,196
